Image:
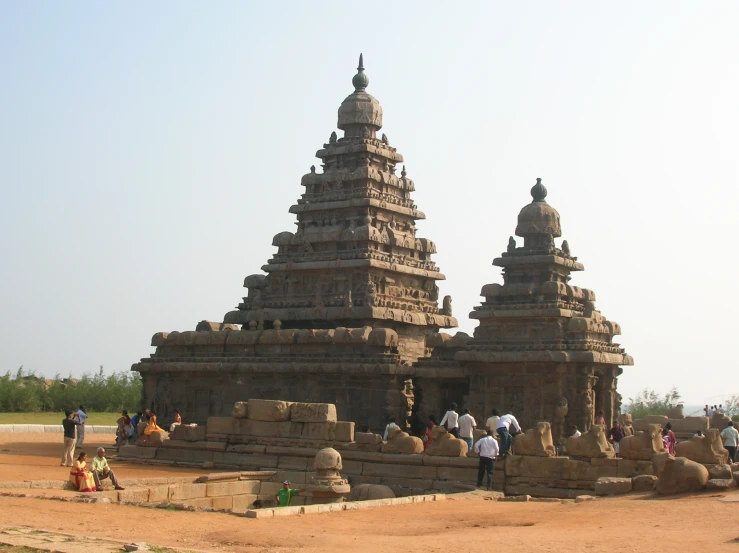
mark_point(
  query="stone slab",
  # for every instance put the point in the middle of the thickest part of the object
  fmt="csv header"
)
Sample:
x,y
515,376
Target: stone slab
x,y
344,431
222,502
313,412
268,410
243,502
183,492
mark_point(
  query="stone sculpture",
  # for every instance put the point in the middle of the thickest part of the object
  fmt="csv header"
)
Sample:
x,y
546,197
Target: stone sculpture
x,y
707,449
327,484
719,420
536,441
240,410
591,444
643,444
625,420
269,410
681,475
400,442
445,445
447,306
368,492
676,412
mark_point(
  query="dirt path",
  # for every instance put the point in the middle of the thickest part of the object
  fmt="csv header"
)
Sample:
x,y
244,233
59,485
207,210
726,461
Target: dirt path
x,y
620,525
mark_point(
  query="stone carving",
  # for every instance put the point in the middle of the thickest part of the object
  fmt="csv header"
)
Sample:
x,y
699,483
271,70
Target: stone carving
x,y
332,138
447,306
536,441
400,442
565,247
385,139
327,485
313,412
643,444
511,244
707,449
681,475
368,492
676,412
240,410
445,445
626,422
719,420
560,413
591,444
269,410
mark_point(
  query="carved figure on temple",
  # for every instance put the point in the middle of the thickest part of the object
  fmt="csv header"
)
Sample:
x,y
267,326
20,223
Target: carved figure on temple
x,y
446,308
410,400
384,139
332,138
371,294
643,445
312,168
565,247
511,244
560,413
536,441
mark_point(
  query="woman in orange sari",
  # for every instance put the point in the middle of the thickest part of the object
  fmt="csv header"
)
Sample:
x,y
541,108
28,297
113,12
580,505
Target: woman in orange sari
x,y
80,476
152,427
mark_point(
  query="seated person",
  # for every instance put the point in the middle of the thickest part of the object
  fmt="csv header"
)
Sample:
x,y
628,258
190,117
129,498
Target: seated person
x,y
81,476
177,421
101,471
151,425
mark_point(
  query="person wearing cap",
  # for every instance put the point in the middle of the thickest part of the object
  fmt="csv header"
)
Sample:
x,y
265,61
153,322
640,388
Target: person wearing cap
x,y
101,471
285,496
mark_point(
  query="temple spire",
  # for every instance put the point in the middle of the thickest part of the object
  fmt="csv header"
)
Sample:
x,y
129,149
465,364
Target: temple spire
x,y
539,192
360,80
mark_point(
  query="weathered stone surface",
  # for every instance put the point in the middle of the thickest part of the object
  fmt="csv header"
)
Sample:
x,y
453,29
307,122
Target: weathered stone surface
x,y
612,486
644,483
591,444
365,492
344,431
720,484
535,441
313,412
240,410
707,449
400,442
444,444
643,445
268,410
368,438
681,475
189,433
721,472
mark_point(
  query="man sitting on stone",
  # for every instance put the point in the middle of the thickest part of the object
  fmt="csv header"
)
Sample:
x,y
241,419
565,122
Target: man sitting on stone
x,y
574,431
285,496
390,424
101,471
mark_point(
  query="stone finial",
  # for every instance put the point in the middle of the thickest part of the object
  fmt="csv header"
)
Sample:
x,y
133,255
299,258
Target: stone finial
x,y
385,139
277,324
332,138
312,168
403,172
566,247
360,80
539,192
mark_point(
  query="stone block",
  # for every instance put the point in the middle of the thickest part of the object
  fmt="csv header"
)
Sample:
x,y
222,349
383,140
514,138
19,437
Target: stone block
x,y
244,502
53,428
133,495
268,410
240,410
720,484
259,461
158,494
400,459
21,427
720,472
260,513
313,412
189,433
612,486
269,489
690,425
287,511
344,431
351,467
462,462
367,438
222,502
199,502
644,483
221,425
246,448
182,492
457,474
320,430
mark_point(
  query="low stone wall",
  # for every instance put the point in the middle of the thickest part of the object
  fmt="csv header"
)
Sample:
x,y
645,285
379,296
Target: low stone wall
x,y
55,428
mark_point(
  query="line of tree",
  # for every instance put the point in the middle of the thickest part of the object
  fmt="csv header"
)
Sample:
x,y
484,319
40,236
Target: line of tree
x,y
649,402
26,392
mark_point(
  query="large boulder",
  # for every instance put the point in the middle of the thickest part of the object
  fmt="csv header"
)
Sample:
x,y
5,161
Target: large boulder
x,y
722,472
445,445
366,492
536,441
643,444
400,442
591,444
682,475
707,449
268,410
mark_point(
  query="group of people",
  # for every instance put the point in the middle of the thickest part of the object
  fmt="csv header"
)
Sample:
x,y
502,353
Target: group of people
x,y
88,477
714,409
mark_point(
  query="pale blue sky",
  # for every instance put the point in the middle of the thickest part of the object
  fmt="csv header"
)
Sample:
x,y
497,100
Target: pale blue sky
x,y
150,151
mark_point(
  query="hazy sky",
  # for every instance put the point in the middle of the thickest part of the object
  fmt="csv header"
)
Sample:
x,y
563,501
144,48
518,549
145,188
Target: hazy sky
x,y
150,151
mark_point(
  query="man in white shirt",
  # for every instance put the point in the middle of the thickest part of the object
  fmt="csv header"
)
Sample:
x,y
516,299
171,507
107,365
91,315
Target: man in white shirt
x,y
390,425
451,420
467,426
81,416
731,440
492,422
505,424
488,450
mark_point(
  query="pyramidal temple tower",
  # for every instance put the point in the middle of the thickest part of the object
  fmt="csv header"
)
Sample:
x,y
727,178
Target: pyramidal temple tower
x,y
355,258
344,309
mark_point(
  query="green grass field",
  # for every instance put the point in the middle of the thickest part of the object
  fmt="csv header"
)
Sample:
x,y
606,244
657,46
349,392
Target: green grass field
x,y
105,419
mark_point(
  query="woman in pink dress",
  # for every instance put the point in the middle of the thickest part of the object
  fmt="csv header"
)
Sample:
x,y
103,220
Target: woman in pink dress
x,y
670,439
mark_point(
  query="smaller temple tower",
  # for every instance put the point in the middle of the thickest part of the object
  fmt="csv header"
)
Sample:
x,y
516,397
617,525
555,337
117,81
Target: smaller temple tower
x,y
542,349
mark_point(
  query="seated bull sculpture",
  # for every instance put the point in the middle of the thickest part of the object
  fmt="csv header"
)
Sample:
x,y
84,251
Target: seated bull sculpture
x,y
643,444
445,445
704,449
591,444
400,442
536,441
681,475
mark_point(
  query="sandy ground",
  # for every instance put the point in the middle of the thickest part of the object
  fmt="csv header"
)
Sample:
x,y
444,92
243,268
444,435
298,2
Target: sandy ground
x,y
638,523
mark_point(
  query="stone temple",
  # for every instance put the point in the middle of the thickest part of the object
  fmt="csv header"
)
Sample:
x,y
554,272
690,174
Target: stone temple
x,y
348,312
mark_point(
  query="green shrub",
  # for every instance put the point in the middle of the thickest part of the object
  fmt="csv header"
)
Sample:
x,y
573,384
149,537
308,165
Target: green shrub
x,y
649,402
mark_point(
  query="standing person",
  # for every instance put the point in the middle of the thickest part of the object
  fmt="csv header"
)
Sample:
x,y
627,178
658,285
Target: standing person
x,y
731,440
720,409
124,429
467,425
451,420
135,420
505,424
671,439
69,425
705,410
81,416
285,495
488,450
81,476
615,434
390,424
428,434
600,418
710,411
492,422
101,471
